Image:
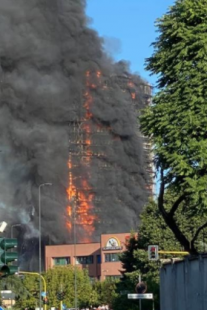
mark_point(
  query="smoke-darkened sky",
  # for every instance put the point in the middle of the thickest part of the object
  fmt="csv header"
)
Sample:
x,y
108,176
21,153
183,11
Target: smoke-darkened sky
x,y
46,48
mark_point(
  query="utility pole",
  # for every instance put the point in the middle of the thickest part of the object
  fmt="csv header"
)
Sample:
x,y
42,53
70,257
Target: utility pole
x,y
75,241
140,301
62,295
40,241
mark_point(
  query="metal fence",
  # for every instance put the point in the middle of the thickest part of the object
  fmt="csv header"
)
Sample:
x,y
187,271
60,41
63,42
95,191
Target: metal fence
x,y
183,285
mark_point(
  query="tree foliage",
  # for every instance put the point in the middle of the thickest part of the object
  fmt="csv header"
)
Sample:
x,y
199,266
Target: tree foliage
x,y
15,284
105,292
135,263
153,230
62,279
26,288
176,122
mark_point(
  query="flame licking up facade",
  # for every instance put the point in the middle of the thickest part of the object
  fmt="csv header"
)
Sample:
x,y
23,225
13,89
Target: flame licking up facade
x,y
81,205
83,210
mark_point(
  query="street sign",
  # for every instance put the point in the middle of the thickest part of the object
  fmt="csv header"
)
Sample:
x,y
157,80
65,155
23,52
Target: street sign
x,y
6,292
141,288
140,296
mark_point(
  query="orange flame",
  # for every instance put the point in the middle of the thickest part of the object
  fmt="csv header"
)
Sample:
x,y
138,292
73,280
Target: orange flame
x,y
133,95
130,84
98,74
83,197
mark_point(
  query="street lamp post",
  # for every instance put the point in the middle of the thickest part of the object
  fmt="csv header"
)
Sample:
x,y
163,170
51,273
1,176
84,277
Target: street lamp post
x,y
75,241
40,239
74,206
14,225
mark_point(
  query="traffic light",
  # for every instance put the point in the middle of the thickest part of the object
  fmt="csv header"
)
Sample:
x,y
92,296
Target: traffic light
x,y
153,252
45,300
7,257
60,295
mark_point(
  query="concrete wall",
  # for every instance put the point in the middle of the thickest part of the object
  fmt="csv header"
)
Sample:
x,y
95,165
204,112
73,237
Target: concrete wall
x,y
183,285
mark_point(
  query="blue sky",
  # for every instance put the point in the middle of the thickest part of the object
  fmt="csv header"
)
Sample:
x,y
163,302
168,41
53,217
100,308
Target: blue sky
x,y
128,26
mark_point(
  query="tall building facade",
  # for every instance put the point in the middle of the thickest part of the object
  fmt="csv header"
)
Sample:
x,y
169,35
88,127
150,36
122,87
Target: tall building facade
x,y
110,167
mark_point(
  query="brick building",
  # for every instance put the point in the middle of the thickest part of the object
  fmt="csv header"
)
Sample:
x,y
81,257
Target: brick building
x,y
101,259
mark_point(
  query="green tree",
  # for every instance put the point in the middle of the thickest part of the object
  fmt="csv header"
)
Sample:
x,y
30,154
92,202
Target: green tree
x,y
127,258
14,284
94,297
62,279
106,292
176,122
153,230
27,296
58,279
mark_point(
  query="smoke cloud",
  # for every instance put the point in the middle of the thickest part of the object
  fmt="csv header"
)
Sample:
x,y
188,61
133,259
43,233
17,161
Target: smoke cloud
x,y
46,48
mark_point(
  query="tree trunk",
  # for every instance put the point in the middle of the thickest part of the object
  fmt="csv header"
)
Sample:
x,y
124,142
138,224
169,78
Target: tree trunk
x,y
169,220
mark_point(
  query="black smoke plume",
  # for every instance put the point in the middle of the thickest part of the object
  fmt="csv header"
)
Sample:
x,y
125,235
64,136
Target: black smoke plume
x,y
46,47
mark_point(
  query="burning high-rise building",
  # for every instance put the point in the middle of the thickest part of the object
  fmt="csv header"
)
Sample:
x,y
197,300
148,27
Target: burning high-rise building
x,y
68,115
96,170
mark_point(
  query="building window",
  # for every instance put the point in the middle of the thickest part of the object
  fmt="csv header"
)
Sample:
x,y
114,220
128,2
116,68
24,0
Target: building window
x,y
98,259
112,257
61,261
113,278
84,260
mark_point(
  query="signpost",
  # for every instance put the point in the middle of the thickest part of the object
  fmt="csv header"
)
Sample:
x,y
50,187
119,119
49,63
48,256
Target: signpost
x,y
141,289
140,296
6,292
139,292
9,296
